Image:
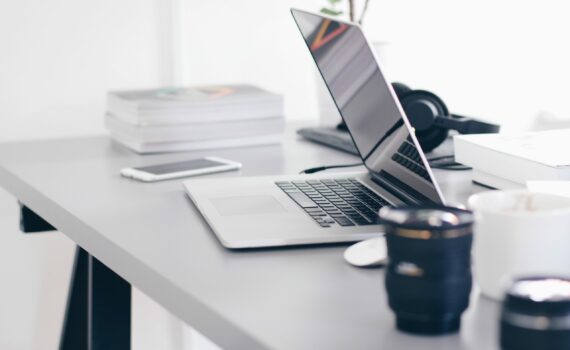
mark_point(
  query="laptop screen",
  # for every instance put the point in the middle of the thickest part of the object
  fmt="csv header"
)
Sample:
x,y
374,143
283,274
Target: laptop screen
x,y
369,107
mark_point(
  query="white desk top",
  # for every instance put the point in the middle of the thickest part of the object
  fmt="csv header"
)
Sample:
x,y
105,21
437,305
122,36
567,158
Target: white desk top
x,y
151,235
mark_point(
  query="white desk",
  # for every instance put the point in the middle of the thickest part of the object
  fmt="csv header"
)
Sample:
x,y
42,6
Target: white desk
x,y
153,237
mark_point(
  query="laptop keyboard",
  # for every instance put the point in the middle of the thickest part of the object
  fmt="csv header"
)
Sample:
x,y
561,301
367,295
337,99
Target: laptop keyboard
x,y
343,202
409,158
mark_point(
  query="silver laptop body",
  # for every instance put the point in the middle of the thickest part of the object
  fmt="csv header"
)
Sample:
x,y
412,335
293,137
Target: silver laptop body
x,y
252,212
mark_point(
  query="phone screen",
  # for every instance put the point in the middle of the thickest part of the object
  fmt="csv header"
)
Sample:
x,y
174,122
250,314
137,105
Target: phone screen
x,y
180,166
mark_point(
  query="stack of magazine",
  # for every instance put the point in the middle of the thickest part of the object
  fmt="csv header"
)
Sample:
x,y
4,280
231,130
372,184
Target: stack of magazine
x,y
194,118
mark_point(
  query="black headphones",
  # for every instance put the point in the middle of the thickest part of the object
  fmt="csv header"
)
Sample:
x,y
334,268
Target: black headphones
x,y
431,119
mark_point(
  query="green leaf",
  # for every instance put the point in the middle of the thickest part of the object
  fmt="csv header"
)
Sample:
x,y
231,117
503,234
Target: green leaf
x,y
330,12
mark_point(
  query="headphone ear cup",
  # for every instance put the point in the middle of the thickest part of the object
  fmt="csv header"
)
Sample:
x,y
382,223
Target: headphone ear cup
x,y
422,108
400,89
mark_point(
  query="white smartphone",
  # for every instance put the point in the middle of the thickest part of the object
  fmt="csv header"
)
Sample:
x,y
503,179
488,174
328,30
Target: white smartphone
x,y
169,171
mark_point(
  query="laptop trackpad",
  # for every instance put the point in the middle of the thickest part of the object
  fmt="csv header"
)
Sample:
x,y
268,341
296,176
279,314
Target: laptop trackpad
x,y
246,205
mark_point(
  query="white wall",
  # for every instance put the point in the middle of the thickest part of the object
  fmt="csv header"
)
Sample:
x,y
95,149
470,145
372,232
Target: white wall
x,y
35,272
254,41
59,57
505,60
501,60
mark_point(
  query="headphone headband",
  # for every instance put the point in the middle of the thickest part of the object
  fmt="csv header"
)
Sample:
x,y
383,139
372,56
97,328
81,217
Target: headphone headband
x,y
466,125
429,115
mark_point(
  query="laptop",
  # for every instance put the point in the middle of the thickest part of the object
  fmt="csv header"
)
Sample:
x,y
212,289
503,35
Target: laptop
x,y
269,211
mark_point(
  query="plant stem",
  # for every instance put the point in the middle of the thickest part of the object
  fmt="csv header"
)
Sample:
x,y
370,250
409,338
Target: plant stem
x,y
351,9
364,9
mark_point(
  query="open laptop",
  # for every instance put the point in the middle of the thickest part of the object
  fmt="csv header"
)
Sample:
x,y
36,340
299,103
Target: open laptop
x,y
251,212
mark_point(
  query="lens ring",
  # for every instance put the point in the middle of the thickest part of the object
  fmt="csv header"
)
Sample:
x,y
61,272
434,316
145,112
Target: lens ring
x,y
431,234
426,218
536,322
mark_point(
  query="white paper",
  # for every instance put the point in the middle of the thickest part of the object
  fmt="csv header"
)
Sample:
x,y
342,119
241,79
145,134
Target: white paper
x,y
545,147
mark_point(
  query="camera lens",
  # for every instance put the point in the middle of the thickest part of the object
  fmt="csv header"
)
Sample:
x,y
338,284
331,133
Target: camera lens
x,y
536,315
428,277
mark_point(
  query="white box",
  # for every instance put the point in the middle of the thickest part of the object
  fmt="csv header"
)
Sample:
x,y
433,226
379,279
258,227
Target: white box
x,y
509,161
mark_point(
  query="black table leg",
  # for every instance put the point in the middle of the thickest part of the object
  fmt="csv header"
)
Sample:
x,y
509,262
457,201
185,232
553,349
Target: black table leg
x,y
74,335
31,222
109,322
98,314
98,311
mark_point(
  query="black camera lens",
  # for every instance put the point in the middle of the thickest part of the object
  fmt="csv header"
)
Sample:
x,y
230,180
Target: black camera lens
x,y
428,277
536,315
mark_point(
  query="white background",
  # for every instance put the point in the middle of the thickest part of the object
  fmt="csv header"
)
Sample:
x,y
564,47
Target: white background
x,y
505,61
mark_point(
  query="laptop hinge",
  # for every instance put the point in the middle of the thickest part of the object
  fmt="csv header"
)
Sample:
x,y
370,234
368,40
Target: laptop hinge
x,y
397,188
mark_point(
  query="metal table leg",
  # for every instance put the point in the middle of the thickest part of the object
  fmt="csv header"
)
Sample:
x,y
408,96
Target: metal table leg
x,y
98,313
74,334
31,222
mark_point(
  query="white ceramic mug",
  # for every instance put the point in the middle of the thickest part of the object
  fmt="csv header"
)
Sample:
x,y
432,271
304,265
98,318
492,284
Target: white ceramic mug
x,y
519,233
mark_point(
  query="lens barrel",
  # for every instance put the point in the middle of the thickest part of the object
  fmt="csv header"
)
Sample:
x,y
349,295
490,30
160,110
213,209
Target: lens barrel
x,y
536,315
428,277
